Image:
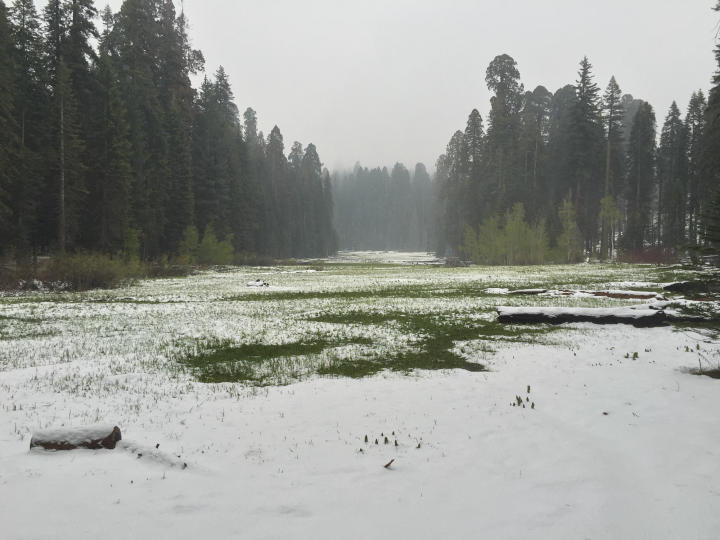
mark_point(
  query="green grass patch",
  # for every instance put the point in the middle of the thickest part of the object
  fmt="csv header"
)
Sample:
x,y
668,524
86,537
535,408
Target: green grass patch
x,y
20,319
437,335
253,363
432,348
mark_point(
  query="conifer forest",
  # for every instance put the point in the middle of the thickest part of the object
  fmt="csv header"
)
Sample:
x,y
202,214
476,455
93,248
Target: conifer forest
x,y
106,147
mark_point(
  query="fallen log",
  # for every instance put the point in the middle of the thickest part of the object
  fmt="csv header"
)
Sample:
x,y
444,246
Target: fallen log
x,y
641,318
628,295
529,292
93,438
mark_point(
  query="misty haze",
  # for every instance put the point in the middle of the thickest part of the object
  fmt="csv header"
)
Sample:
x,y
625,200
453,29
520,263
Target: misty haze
x,y
389,269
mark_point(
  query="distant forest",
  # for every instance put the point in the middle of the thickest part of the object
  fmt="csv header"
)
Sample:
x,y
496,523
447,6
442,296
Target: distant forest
x,y
106,147
381,210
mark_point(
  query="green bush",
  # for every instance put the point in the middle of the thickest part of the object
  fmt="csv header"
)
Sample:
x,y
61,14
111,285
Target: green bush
x,y
211,251
189,246
82,272
515,243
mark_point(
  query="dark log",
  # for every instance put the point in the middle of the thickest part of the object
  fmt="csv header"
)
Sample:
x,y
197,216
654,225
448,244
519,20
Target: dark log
x,y
648,318
93,438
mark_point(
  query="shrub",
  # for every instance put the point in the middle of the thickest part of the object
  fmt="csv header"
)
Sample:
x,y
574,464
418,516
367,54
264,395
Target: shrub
x,y
82,272
515,243
189,246
214,252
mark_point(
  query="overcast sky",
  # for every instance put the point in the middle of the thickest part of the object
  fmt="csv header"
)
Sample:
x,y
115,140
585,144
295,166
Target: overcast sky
x,y
380,81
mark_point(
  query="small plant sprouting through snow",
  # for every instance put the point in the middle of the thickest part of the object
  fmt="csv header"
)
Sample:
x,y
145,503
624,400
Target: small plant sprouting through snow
x,y
519,402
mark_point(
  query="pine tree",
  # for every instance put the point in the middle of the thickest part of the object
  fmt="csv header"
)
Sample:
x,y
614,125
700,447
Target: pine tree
x,y
503,79
31,111
66,162
630,107
400,210
672,180
311,181
710,155
8,131
559,163
177,62
450,184
612,116
277,198
535,117
472,190
586,151
136,39
697,189
110,174
78,52
640,179
422,188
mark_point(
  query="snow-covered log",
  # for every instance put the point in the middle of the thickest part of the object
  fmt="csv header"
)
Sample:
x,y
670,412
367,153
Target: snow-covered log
x,y
642,317
529,291
629,295
93,437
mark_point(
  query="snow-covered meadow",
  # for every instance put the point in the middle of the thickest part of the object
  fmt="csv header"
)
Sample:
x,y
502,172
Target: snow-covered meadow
x,y
622,441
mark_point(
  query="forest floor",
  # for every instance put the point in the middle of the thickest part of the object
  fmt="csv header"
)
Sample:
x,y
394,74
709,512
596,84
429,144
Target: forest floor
x,y
267,395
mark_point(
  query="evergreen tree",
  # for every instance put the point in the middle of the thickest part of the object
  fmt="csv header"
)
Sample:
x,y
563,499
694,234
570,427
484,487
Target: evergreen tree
x,y
277,198
110,173
66,163
503,79
710,154
31,111
450,184
559,163
612,116
78,52
640,179
177,62
422,189
8,131
585,155
697,188
534,137
630,107
672,180
473,155
136,41
312,189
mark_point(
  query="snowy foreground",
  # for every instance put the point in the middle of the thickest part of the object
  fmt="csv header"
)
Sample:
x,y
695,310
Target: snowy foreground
x,y
618,445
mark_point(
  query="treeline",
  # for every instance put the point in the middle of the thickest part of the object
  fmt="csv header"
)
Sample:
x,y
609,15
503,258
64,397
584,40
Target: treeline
x,y
584,170
381,210
106,147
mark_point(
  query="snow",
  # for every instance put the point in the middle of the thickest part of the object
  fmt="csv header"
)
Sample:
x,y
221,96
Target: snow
x,y
597,313
285,462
